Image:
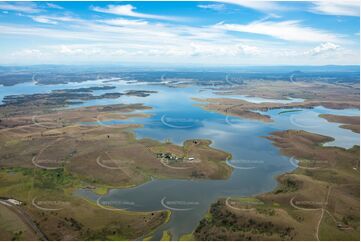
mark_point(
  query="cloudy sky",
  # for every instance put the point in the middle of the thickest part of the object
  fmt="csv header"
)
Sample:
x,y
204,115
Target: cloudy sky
x,y
229,32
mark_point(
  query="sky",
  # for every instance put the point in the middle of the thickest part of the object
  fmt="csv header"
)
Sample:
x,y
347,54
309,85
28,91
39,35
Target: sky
x,y
218,33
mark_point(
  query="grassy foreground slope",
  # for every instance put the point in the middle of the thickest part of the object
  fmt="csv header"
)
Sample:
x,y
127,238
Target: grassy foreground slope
x,y
47,197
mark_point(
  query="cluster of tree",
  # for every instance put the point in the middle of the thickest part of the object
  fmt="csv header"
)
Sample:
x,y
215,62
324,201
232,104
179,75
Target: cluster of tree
x,y
226,225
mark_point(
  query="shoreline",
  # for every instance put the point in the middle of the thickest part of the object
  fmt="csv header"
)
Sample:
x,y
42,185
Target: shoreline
x,y
291,184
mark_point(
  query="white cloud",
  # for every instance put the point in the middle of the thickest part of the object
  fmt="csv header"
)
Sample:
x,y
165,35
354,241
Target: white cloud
x,y
285,30
85,50
25,7
326,49
337,7
25,31
55,6
124,22
118,39
41,19
138,39
263,6
214,6
53,19
28,53
218,50
183,52
128,10
106,51
323,48
249,50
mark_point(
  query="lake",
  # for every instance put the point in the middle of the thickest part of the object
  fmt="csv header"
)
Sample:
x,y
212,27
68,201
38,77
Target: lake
x,y
176,118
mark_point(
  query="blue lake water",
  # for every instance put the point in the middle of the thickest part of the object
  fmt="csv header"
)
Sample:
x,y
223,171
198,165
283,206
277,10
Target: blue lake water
x,y
175,117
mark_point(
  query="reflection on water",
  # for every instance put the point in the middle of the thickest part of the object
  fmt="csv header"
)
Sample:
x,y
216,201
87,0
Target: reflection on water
x,y
176,117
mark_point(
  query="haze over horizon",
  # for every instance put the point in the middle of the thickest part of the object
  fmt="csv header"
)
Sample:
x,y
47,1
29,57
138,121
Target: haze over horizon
x,y
229,32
